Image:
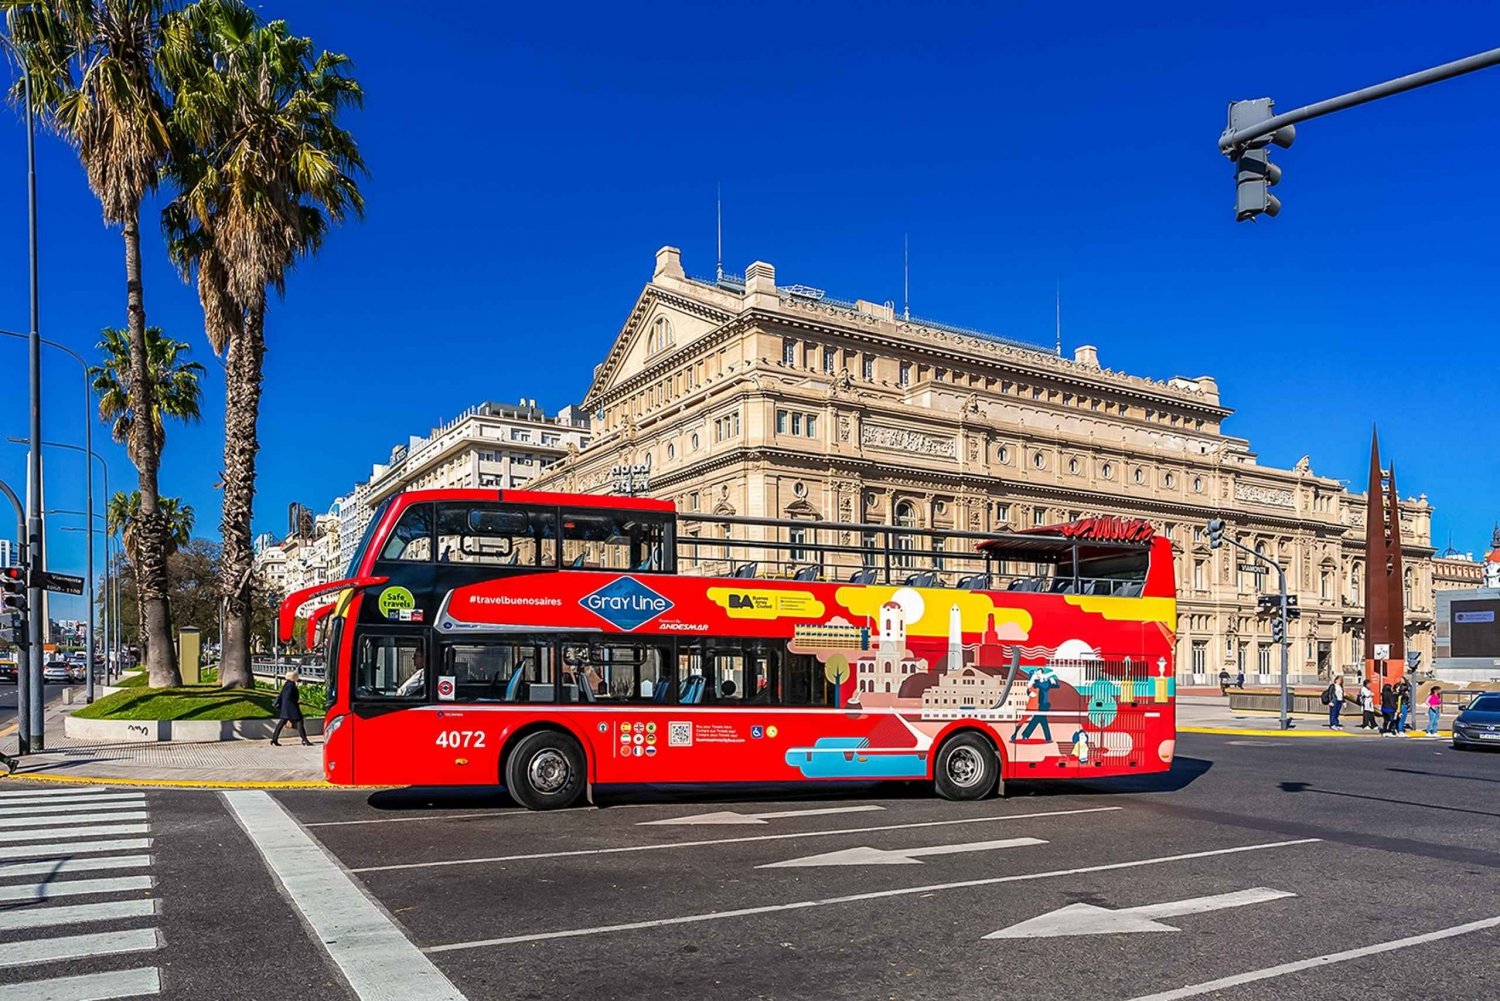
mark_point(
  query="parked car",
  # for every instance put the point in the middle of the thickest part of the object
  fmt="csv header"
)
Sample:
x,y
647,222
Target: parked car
x,y
56,671
8,671
77,671
1479,723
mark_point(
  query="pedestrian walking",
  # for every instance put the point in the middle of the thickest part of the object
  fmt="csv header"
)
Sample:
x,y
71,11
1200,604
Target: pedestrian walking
x,y
1239,680
1387,710
289,710
1224,681
1367,706
1333,698
1403,704
1434,710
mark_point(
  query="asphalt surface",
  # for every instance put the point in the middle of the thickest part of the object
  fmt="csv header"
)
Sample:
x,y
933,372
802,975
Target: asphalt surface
x,y
1347,844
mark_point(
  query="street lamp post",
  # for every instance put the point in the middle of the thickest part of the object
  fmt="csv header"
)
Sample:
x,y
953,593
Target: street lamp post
x,y
109,616
33,718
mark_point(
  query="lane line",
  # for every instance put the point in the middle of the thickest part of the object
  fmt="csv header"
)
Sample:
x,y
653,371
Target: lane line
x,y
88,987
21,793
68,849
375,956
471,815
9,823
50,950
1297,966
124,801
75,832
63,866
68,914
74,888
859,897
730,841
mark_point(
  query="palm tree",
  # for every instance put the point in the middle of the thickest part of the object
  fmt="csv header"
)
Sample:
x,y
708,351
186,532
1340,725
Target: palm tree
x,y
122,516
175,388
263,169
95,83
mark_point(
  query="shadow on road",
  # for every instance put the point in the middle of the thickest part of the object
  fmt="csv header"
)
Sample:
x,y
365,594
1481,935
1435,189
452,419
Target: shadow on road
x,y
1309,787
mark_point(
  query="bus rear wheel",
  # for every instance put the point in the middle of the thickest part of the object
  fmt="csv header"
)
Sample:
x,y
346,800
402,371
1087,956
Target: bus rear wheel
x,y
967,767
545,771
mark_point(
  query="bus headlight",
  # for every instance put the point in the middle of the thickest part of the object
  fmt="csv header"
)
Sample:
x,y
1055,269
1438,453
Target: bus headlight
x,y
332,725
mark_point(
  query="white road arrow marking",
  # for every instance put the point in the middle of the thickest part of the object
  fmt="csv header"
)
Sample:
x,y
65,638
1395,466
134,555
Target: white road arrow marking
x,y
730,817
1086,919
864,855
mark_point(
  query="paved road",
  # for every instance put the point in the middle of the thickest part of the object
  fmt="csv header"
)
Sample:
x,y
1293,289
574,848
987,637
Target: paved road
x,y
1263,853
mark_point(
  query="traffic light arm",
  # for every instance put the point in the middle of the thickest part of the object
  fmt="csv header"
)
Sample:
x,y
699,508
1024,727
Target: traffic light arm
x,y
1229,142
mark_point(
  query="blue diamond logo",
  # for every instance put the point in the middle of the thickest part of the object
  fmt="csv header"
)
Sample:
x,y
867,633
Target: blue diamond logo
x,y
625,603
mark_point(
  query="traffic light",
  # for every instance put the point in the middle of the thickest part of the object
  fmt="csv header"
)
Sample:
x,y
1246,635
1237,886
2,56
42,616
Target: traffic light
x,y
13,605
1278,632
1268,603
1254,173
1215,533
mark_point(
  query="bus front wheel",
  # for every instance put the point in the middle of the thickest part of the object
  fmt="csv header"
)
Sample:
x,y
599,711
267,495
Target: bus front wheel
x,y
545,771
967,767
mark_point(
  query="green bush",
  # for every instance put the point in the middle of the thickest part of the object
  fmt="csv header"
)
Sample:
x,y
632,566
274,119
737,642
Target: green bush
x,y
189,702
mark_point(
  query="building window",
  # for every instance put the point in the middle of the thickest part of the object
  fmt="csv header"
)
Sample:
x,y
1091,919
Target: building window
x,y
694,441
1002,513
906,517
727,427
661,335
1106,470
797,536
1199,568
1200,656
1002,455
1325,584
1140,475
1263,658
830,360
1073,466
671,450
1197,484
1038,516
781,421
796,424
905,379
1169,481
1039,460
516,434
812,426
867,368
788,351
1239,656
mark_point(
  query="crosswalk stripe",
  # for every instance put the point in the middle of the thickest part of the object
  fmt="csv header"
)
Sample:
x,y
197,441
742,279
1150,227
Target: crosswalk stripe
x,y
59,867
64,791
10,823
103,797
75,832
68,914
73,888
68,849
88,987
52,806
51,950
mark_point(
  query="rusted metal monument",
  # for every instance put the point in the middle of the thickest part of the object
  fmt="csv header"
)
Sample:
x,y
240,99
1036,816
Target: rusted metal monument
x,y
1385,592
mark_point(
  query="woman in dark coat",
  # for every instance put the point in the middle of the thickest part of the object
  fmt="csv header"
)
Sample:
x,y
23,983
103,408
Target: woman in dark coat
x,y
289,710
1387,709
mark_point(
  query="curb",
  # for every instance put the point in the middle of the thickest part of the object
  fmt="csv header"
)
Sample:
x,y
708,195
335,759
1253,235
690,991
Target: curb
x,y
169,783
1239,732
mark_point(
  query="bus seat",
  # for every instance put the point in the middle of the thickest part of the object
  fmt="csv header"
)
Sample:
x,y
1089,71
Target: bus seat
x,y
746,569
806,573
1132,589
975,582
577,562
692,691
659,695
513,686
863,576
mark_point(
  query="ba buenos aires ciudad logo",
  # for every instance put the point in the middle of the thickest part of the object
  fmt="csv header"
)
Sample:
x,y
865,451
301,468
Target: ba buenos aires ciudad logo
x,y
625,603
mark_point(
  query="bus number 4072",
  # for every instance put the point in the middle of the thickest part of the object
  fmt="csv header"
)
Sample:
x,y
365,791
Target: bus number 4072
x,y
460,738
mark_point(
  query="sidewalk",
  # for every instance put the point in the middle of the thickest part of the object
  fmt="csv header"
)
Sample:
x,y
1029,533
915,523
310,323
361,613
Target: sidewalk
x,y
222,764
1211,714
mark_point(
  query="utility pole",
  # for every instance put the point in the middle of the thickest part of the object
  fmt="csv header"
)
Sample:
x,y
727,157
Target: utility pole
x,y
1253,126
1216,538
23,630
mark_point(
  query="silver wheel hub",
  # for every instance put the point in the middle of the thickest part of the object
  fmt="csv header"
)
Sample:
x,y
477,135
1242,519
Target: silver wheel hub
x,y
965,767
548,771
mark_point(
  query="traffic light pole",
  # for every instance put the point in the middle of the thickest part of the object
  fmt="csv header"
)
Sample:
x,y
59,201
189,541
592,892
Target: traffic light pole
x,y
1230,141
1286,639
23,676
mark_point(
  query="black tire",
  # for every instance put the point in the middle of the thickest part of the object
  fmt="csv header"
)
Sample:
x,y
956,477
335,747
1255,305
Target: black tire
x,y
545,771
967,767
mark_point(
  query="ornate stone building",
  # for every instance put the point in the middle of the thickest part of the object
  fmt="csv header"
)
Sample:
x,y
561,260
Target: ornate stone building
x,y
745,397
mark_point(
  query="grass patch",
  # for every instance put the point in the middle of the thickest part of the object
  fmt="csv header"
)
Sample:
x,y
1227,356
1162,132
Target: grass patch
x,y
134,681
189,702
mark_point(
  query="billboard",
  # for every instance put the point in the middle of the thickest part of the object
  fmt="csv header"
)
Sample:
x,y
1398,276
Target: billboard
x,y
1475,628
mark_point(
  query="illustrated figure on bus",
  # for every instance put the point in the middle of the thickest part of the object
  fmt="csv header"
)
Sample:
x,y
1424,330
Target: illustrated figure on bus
x,y
1042,681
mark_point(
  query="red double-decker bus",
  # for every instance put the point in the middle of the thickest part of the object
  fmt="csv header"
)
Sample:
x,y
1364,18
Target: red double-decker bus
x,y
549,643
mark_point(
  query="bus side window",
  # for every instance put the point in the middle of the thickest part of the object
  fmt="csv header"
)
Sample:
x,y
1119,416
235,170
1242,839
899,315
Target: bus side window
x,y
803,682
390,667
498,671
411,539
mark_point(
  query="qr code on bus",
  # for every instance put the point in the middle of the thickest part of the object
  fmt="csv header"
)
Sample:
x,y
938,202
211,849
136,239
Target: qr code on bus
x,y
680,734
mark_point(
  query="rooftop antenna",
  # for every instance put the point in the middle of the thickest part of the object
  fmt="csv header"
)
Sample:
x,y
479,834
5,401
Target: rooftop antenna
x,y
1059,318
906,276
719,212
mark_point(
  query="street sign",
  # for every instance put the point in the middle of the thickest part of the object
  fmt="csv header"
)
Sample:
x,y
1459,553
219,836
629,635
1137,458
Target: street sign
x,y
1382,651
61,583
1254,568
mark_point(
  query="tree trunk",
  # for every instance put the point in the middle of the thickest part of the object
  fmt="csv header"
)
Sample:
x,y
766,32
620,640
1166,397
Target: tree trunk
x,y
242,387
151,544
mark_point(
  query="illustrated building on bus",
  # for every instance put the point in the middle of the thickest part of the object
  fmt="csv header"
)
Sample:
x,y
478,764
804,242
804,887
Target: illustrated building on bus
x,y
975,687
830,636
893,663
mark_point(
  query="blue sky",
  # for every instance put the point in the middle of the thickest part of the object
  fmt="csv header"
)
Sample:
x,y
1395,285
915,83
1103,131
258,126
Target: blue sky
x,y
525,166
